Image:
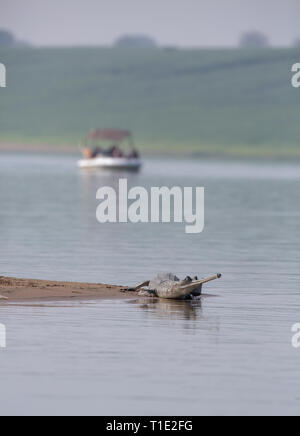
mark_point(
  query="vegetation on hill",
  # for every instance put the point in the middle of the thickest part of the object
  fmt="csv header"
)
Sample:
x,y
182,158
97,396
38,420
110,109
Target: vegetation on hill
x,y
217,102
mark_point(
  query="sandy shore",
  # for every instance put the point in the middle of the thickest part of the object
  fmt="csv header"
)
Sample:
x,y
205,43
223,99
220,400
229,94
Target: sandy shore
x,y
26,289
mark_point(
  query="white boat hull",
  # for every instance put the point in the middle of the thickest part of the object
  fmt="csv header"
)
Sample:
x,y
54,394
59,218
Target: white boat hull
x,y
111,163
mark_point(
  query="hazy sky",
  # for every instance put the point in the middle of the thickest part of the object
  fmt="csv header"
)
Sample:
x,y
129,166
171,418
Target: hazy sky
x,y
179,22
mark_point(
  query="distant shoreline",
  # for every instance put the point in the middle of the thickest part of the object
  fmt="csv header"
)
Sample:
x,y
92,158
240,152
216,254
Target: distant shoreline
x,y
264,154
38,148
15,289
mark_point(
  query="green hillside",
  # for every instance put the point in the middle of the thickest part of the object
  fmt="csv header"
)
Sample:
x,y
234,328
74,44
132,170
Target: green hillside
x,y
208,101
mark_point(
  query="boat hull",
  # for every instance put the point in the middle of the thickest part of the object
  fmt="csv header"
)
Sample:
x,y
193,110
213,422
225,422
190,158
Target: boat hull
x,y
113,163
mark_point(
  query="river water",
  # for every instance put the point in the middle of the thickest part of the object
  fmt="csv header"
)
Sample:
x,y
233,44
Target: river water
x,y
231,353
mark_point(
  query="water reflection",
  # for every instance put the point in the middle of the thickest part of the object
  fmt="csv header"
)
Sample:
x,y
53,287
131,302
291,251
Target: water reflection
x,y
171,309
176,310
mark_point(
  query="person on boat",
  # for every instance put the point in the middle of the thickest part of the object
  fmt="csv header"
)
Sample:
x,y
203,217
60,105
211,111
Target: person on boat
x,y
91,153
134,154
117,152
111,151
114,151
96,151
87,153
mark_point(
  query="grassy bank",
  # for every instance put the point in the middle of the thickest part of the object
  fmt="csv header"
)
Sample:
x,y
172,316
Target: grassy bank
x,y
206,102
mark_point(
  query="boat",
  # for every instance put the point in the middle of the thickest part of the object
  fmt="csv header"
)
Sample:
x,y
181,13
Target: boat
x,y
111,163
101,148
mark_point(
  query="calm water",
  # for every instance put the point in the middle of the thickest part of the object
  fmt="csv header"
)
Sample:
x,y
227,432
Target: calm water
x,y
229,354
